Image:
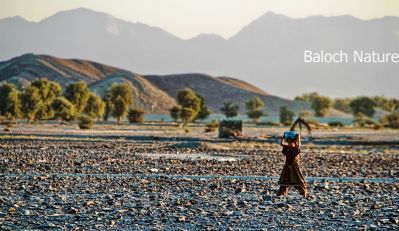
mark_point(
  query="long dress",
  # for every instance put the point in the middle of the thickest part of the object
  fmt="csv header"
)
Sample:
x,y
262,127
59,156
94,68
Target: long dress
x,y
291,174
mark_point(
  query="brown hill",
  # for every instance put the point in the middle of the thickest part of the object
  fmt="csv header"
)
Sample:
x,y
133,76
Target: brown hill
x,y
243,85
21,70
218,90
24,68
153,93
145,94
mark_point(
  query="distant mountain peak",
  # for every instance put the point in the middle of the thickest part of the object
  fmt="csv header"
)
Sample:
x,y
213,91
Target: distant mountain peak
x,y
77,14
14,19
272,14
208,36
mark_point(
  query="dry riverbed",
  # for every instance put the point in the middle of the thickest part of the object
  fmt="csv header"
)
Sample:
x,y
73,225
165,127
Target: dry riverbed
x,y
53,181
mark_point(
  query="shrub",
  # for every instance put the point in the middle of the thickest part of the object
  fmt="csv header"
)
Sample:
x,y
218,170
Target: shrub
x,y
363,105
254,108
286,116
391,120
85,122
378,126
304,114
321,105
136,115
229,109
211,126
335,124
361,120
175,113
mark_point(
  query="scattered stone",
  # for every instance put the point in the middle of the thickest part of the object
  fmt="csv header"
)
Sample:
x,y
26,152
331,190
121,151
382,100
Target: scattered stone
x,y
72,210
181,219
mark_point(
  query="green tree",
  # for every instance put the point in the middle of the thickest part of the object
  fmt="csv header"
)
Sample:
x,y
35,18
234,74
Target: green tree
x,y
10,105
136,115
321,105
120,99
187,115
120,108
77,93
175,113
390,120
386,104
254,108
204,112
308,97
48,91
117,100
95,107
64,109
363,105
286,116
229,109
108,107
190,105
123,90
30,103
362,120
343,104
85,122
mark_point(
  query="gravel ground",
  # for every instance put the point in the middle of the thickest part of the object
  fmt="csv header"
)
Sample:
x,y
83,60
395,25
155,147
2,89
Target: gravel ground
x,y
64,184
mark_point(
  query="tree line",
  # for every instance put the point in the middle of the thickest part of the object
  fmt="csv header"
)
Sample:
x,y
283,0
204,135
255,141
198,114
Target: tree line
x,y
191,107
43,99
362,108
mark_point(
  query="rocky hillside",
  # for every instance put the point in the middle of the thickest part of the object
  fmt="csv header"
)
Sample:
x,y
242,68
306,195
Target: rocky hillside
x,y
153,93
23,69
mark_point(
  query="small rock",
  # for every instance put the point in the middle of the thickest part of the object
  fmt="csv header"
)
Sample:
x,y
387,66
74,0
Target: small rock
x,y
394,220
90,203
154,170
181,219
73,211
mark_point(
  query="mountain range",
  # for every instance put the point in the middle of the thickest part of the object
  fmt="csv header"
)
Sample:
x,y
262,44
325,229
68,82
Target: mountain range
x,y
154,93
267,53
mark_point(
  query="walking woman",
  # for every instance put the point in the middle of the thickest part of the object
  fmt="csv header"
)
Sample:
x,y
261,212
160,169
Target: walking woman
x,y
291,174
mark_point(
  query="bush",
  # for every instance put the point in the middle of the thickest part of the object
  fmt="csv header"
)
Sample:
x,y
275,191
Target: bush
x,y
136,116
286,116
391,120
211,126
85,122
361,120
304,114
378,126
335,124
321,105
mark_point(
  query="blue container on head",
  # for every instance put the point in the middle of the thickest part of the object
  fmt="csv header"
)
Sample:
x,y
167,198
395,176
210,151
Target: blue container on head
x,y
290,135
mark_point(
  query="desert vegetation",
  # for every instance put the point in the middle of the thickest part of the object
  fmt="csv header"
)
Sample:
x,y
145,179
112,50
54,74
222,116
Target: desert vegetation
x,y
43,99
362,108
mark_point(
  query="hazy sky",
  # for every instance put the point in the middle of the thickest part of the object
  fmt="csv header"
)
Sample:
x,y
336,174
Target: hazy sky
x,y
188,18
